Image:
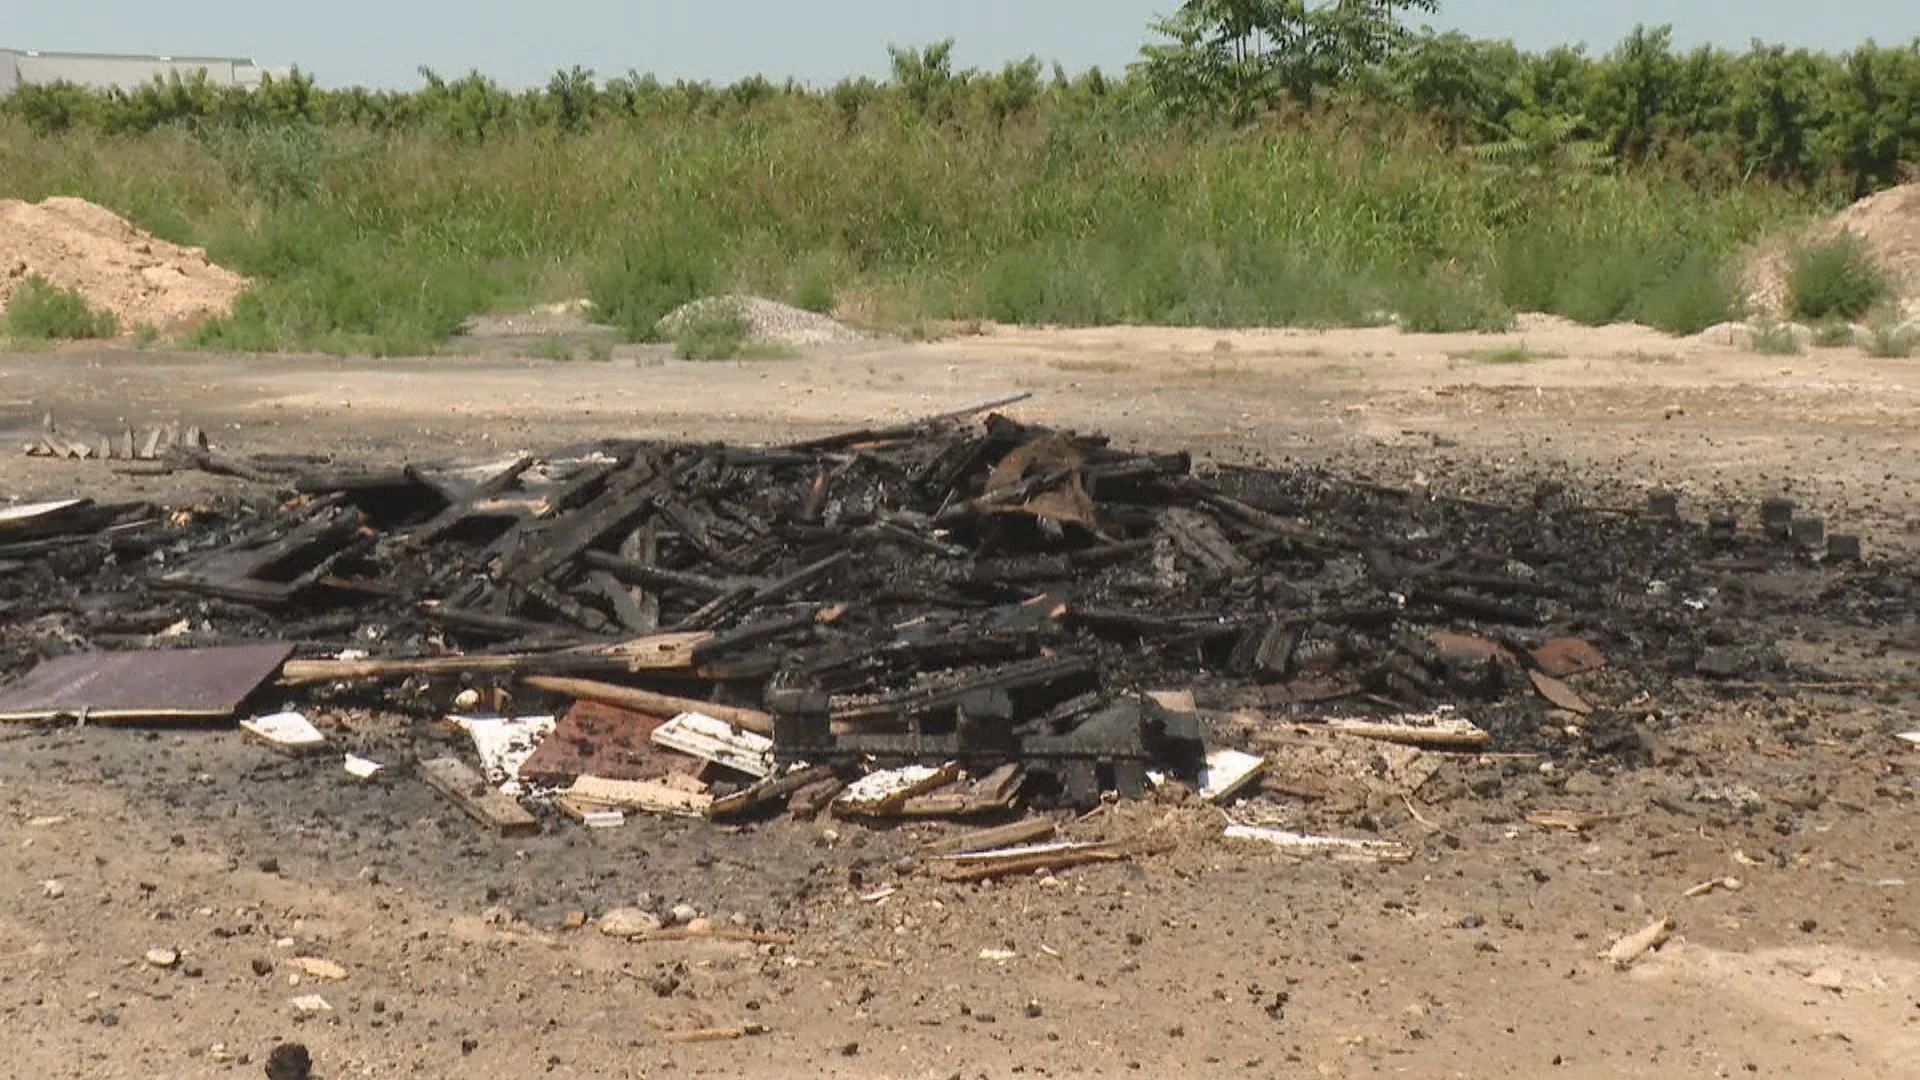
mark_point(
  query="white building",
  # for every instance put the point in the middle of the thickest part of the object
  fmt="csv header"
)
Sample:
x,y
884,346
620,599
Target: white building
x,y
104,71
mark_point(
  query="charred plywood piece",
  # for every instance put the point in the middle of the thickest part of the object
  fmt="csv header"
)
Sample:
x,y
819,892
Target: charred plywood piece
x,y
153,685
605,741
1042,478
469,791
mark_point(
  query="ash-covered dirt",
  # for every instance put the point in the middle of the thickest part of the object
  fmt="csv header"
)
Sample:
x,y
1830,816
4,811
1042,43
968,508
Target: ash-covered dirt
x,y
1477,958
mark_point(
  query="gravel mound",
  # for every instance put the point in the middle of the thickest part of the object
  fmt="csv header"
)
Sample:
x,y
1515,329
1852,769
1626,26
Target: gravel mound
x,y
77,245
1888,221
768,321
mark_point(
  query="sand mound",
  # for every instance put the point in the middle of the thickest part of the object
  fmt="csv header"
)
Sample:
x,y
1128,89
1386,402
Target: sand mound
x,y
768,321
1889,222
141,279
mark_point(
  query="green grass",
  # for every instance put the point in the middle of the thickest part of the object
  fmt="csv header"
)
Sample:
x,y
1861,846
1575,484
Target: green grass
x,y
1836,279
386,242
42,311
1506,354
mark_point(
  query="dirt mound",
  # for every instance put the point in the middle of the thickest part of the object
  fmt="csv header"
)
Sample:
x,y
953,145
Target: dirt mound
x,y
141,279
768,321
1889,222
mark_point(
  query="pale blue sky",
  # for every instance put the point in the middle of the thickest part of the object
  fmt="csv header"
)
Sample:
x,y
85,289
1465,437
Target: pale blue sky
x,y
382,42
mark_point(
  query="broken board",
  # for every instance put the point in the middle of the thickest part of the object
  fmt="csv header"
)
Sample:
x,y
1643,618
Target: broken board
x,y
1227,773
504,744
287,732
676,796
715,740
469,791
162,684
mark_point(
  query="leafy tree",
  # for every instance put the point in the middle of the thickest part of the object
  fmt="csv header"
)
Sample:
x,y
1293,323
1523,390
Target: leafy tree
x,y
1240,57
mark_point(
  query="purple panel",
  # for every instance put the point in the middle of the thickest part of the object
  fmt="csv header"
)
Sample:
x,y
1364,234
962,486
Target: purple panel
x,y
143,685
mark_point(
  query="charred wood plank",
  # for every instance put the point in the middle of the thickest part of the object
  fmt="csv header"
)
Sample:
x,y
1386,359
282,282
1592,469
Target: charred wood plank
x,y
659,577
1202,542
846,439
625,602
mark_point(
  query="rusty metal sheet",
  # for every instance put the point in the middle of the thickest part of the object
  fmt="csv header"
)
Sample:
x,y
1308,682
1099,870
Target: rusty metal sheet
x,y
1566,656
1460,648
604,741
1559,694
156,685
1311,690
1068,502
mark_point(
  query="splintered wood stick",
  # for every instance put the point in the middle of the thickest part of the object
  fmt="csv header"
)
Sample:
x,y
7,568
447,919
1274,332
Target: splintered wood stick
x,y
715,1034
1631,948
647,701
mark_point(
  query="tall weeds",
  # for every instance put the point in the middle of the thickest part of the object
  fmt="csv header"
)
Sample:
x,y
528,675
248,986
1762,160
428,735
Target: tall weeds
x,y
363,239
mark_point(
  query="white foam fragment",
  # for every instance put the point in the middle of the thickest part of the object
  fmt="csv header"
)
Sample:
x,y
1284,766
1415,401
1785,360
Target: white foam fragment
x,y
288,730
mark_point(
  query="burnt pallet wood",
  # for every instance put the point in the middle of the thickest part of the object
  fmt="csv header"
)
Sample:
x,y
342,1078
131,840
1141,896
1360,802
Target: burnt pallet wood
x,y
276,571
1195,536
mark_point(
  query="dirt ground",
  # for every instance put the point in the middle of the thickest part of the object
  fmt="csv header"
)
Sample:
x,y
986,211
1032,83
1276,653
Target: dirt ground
x,y
1478,958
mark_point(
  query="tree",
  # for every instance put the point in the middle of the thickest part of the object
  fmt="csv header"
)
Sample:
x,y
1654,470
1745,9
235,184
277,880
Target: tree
x,y
1241,57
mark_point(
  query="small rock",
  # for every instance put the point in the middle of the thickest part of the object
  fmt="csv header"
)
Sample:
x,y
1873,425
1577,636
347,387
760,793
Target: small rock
x,y
628,922
54,889
467,699
682,914
269,865
163,958
1033,1010
1472,922
699,926
289,1061
318,968
574,920
262,967
310,1004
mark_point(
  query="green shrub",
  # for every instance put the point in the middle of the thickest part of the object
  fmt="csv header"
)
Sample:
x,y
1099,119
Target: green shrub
x,y
716,330
815,293
1699,292
650,275
1837,279
42,311
1834,334
1445,301
1888,339
1776,341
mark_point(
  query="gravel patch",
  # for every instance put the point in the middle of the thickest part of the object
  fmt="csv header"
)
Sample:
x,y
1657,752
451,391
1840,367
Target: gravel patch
x,y
768,321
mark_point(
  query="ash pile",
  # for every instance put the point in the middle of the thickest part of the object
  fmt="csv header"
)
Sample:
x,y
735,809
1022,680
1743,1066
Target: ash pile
x,y
944,618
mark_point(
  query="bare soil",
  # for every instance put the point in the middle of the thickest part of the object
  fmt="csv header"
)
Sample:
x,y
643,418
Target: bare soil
x,y
1478,958
140,278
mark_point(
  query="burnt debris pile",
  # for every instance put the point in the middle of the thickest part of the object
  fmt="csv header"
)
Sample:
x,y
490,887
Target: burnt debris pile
x,y
959,591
